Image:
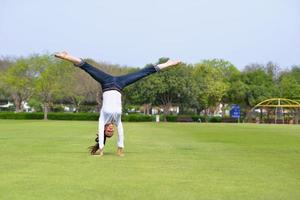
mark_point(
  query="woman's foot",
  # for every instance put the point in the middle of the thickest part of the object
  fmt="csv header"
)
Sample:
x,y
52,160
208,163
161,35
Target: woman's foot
x,y
68,57
169,63
62,55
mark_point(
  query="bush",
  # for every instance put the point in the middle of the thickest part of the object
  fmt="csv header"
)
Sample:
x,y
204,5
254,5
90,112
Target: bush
x,y
21,115
73,116
215,119
137,118
171,118
36,105
51,116
125,118
198,118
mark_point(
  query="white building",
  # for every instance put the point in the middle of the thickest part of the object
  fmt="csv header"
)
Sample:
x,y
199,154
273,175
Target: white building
x,y
8,104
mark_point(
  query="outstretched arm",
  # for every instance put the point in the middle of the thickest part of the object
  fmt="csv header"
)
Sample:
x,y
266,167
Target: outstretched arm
x,y
120,141
101,133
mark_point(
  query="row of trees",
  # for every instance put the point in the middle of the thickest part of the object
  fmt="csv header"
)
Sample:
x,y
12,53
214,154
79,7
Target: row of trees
x,y
43,80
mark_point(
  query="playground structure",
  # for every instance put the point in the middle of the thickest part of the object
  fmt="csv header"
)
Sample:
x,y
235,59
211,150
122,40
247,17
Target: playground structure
x,y
275,110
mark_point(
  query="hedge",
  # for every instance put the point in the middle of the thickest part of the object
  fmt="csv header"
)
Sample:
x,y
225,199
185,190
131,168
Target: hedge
x,y
198,118
21,115
171,118
138,118
51,116
125,118
194,118
215,119
73,116
185,118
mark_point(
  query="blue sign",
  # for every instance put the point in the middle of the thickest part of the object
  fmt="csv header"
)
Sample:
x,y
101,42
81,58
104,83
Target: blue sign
x,y
235,111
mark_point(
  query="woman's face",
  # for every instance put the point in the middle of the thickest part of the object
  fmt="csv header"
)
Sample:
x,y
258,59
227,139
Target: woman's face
x,y
109,129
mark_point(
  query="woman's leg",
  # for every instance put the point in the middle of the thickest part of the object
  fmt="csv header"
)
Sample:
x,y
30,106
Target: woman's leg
x,y
96,73
128,79
135,76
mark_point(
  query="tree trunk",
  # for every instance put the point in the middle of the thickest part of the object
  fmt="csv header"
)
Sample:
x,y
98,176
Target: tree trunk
x,y
76,104
167,110
46,108
223,109
147,108
18,102
78,107
165,114
206,114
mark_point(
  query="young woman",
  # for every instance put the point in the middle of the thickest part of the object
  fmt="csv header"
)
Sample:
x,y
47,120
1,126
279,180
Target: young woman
x,y
112,87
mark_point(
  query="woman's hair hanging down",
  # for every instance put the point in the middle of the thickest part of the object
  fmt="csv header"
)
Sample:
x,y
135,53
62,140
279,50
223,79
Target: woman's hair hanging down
x,y
93,149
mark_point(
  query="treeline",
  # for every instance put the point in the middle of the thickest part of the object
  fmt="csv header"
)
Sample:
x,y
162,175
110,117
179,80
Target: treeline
x,y
46,82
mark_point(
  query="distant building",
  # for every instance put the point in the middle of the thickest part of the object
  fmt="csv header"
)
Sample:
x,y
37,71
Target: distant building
x,y
172,110
5,104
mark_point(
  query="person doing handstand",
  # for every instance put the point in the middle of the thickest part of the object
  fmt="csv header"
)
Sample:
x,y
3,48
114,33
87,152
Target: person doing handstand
x,y
112,86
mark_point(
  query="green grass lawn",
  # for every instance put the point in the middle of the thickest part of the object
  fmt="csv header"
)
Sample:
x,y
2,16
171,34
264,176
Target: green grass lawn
x,y
49,160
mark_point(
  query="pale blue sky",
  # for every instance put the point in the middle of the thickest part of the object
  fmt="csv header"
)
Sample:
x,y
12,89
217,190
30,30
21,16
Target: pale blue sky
x,y
136,32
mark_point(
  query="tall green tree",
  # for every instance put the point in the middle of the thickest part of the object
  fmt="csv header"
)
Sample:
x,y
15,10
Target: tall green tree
x,y
172,85
260,85
289,83
295,72
166,88
19,80
230,76
212,86
53,75
141,93
5,62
